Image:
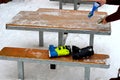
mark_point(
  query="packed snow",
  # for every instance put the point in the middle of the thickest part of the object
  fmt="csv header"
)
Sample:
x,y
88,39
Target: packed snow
x,y
105,44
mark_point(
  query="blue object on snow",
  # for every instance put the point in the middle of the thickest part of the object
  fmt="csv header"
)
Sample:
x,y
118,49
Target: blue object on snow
x,y
96,5
52,52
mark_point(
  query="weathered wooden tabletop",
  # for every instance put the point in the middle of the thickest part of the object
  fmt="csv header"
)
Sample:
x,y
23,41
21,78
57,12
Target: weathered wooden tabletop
x,y
59,19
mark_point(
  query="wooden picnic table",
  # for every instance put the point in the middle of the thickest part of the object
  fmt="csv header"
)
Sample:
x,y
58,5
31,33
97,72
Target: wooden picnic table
x,y
61,21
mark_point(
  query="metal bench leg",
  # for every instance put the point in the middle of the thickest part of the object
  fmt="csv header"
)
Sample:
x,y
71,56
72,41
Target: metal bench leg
x,y
91,39
41,40
20,70
87,73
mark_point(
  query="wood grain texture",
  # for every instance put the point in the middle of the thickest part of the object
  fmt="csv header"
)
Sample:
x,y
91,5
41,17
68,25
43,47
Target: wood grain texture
x,y
43,54
59,19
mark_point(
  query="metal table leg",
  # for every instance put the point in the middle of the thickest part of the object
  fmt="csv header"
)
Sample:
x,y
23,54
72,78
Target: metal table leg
x,y
60,4
65,35
60,42
41,40
91,39
60,38
87,73
20,70
75,4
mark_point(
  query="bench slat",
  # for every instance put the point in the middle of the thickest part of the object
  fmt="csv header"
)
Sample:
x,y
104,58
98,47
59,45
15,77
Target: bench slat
x,y
42,54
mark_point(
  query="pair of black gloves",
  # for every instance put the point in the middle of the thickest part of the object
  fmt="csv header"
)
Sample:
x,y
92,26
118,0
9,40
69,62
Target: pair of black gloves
x,y
79,53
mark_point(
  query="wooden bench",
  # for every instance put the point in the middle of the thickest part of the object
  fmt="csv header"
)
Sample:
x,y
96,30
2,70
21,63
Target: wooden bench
x,y
22,55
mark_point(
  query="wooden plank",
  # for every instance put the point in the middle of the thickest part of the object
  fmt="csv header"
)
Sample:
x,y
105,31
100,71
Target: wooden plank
x,y
42,54
59,19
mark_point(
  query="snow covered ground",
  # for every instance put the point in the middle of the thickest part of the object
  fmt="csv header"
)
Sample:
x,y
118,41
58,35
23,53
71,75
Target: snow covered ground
x,y
33,71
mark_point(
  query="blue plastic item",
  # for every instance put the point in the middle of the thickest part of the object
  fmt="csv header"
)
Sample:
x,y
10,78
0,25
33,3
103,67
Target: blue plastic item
x,y
59,51
52,52
96,5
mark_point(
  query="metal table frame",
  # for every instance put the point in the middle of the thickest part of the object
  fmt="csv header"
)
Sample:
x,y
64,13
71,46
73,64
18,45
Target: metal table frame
x,y
61,41
61,32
